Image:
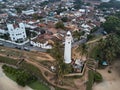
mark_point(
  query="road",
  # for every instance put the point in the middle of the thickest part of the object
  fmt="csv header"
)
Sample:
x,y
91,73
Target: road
x,y
79,42
98,32
32,48
27,45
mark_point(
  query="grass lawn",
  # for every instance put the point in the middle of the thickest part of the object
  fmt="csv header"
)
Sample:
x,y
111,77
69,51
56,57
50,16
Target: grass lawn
x,y
38,86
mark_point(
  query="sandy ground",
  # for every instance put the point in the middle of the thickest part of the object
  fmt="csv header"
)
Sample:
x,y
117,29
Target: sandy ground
x,y
111,80
8,84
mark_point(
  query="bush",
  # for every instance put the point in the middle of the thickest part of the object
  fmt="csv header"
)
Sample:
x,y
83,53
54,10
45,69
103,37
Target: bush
x,y
109,71
91,80
93,77
8,60
21,77
64,19
59,25
97,77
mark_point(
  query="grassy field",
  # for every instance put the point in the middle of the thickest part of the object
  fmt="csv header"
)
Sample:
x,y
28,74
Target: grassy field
x,y
8,60
38,86
35,85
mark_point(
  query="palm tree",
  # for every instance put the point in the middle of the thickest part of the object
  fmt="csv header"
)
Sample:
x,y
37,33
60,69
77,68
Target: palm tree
x,y
91,64
83,49
61,67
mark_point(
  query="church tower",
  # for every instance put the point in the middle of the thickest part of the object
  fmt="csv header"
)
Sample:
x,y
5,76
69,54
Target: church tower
x,y
67,50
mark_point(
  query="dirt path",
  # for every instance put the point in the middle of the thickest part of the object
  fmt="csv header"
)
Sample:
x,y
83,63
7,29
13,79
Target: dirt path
x,y
92,41
50,76
111,80
43,70
8,84
38,56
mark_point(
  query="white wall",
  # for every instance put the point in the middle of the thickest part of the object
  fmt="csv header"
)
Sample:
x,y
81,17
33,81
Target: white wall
x,y
41,45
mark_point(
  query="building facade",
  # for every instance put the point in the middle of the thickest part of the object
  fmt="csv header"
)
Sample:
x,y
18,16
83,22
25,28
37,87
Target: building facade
x,y
17,32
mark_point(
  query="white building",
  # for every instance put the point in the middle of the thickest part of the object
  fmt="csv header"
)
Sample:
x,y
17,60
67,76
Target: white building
x,y
41,45
67,50
17,32
28,12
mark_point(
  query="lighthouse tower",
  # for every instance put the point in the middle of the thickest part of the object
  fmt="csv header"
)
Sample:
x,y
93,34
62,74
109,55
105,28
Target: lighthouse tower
x,y
67,50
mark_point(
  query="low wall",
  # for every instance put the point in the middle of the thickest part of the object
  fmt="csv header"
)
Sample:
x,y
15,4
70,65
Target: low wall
x,y
77,74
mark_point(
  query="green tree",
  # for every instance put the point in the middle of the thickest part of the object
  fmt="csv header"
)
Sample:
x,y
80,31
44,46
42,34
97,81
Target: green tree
x,y
64,19
61,67
83,49
37,17
108,48
59,25
78,34
112,24
78,4
111,4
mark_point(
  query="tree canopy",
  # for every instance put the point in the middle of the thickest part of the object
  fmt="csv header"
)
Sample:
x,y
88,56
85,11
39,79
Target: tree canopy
x,y
111,4
108,49
77,4
59,25
112,24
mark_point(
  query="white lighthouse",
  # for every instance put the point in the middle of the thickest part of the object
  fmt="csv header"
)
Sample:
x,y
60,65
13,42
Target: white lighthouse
x,y
67,50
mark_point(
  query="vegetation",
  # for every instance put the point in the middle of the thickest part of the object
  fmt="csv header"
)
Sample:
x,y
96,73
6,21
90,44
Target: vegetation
x,y
93,76
64,19
90,81
112,24
78,34
94,29
38,86
23,78
20,76
83,49
30,34
59,25
2,5
90,37
5,36
44,3
61,67
60,10
108,48
54,0
78,4
37,17
8,60
97,77
111,4
20,8
24,66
